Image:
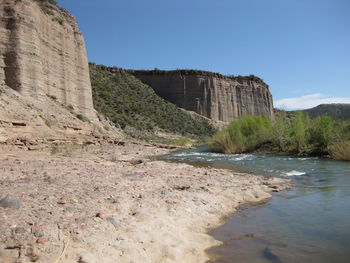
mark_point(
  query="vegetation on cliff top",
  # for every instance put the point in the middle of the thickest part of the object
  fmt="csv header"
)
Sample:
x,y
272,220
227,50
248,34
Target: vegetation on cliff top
x,y
46,4
48,7
188,72
134,106
300,135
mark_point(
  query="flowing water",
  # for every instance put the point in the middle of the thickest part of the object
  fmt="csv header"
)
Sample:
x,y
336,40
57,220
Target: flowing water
x,y
308,224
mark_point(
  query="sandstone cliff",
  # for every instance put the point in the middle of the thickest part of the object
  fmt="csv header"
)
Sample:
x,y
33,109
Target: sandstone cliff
x,y
212,95
43,53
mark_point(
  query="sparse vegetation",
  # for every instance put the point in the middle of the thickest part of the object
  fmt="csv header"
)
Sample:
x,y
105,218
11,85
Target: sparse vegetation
x,y
59,20
183,141
46,5
82,118
49,123
70,107
300,135
187,72
53,97
136,108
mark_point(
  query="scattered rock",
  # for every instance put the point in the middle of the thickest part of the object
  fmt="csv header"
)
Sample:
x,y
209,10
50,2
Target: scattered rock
x,y
136,162
19,230
10,201
38,233
62,202
48,179
87,259
42,240
182,188
101,215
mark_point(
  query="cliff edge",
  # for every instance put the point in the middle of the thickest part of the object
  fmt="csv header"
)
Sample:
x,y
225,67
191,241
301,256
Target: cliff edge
x,y
218,97
42,52
45,88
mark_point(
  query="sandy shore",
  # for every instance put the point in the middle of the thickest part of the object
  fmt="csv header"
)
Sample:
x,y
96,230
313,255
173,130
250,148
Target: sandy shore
x,y
104,204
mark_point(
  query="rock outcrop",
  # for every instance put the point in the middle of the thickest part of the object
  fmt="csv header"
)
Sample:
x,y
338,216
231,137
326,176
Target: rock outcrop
x,y
218,97
42,53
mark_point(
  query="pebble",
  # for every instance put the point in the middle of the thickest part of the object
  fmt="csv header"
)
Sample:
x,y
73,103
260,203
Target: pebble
x,y
41,240
62,202
19,230
10,201
101,215
38,234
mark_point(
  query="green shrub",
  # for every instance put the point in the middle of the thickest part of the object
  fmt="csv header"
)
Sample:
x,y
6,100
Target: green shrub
x,y
321,133
49,123
53,97
245,134
340,150
70,107
183,141
299,135
280,133
82,118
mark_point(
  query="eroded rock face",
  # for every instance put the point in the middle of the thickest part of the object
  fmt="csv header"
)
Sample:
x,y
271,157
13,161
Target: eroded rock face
x,y
43,53
212,95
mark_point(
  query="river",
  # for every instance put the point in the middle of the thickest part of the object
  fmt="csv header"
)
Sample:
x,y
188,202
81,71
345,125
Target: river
x,y
307,224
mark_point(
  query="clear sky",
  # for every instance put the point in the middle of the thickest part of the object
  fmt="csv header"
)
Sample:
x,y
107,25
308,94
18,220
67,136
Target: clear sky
x,y
301,48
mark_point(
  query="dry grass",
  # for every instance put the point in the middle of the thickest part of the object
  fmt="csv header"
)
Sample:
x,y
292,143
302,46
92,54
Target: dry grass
x,y
340,151
223,143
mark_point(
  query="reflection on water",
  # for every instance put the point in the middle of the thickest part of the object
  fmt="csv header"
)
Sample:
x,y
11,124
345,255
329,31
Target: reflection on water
x,y
310,223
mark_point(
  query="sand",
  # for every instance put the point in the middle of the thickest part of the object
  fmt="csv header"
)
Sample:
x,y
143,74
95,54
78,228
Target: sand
x,y
104,204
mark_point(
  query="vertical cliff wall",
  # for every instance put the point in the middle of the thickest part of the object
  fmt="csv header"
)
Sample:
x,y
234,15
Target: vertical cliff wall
x,y
43,53
210,94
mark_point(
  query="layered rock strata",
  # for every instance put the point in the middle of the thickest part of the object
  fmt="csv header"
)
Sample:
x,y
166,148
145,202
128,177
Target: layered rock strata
x,y
42,53
218,97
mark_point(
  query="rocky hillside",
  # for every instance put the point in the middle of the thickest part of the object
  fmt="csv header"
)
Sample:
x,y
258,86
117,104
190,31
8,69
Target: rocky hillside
x,y
135,106
42,52
336,111
218,97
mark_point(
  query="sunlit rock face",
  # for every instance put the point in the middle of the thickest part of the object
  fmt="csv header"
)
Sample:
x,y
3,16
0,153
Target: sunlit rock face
x,y
212,95
42,52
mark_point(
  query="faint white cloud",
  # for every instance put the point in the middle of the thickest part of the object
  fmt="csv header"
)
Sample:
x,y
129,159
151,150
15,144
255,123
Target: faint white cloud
x,y
308,101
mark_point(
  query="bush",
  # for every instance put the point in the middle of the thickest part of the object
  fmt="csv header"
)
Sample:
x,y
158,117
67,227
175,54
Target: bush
x,y
245,134
82,118
340,151
53,97
300,135
321,134
183,141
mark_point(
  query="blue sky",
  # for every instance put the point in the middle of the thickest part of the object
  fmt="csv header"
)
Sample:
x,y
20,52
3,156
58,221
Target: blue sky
x,y
301,48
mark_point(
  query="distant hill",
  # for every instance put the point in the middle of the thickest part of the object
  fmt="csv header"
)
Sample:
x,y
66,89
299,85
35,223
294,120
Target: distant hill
x,y
137,109
336,111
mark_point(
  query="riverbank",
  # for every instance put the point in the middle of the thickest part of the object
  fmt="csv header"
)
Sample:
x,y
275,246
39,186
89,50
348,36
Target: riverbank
x,y
112,203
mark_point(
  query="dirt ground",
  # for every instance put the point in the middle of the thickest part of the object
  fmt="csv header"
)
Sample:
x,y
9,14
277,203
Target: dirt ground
x,y
104,204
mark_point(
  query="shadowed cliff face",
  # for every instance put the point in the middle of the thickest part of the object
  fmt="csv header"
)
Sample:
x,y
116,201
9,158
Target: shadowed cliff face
x,y
44,53
211,95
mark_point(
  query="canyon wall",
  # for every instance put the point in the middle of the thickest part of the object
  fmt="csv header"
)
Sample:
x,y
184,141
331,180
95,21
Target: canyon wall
x,y
212,95
42,53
